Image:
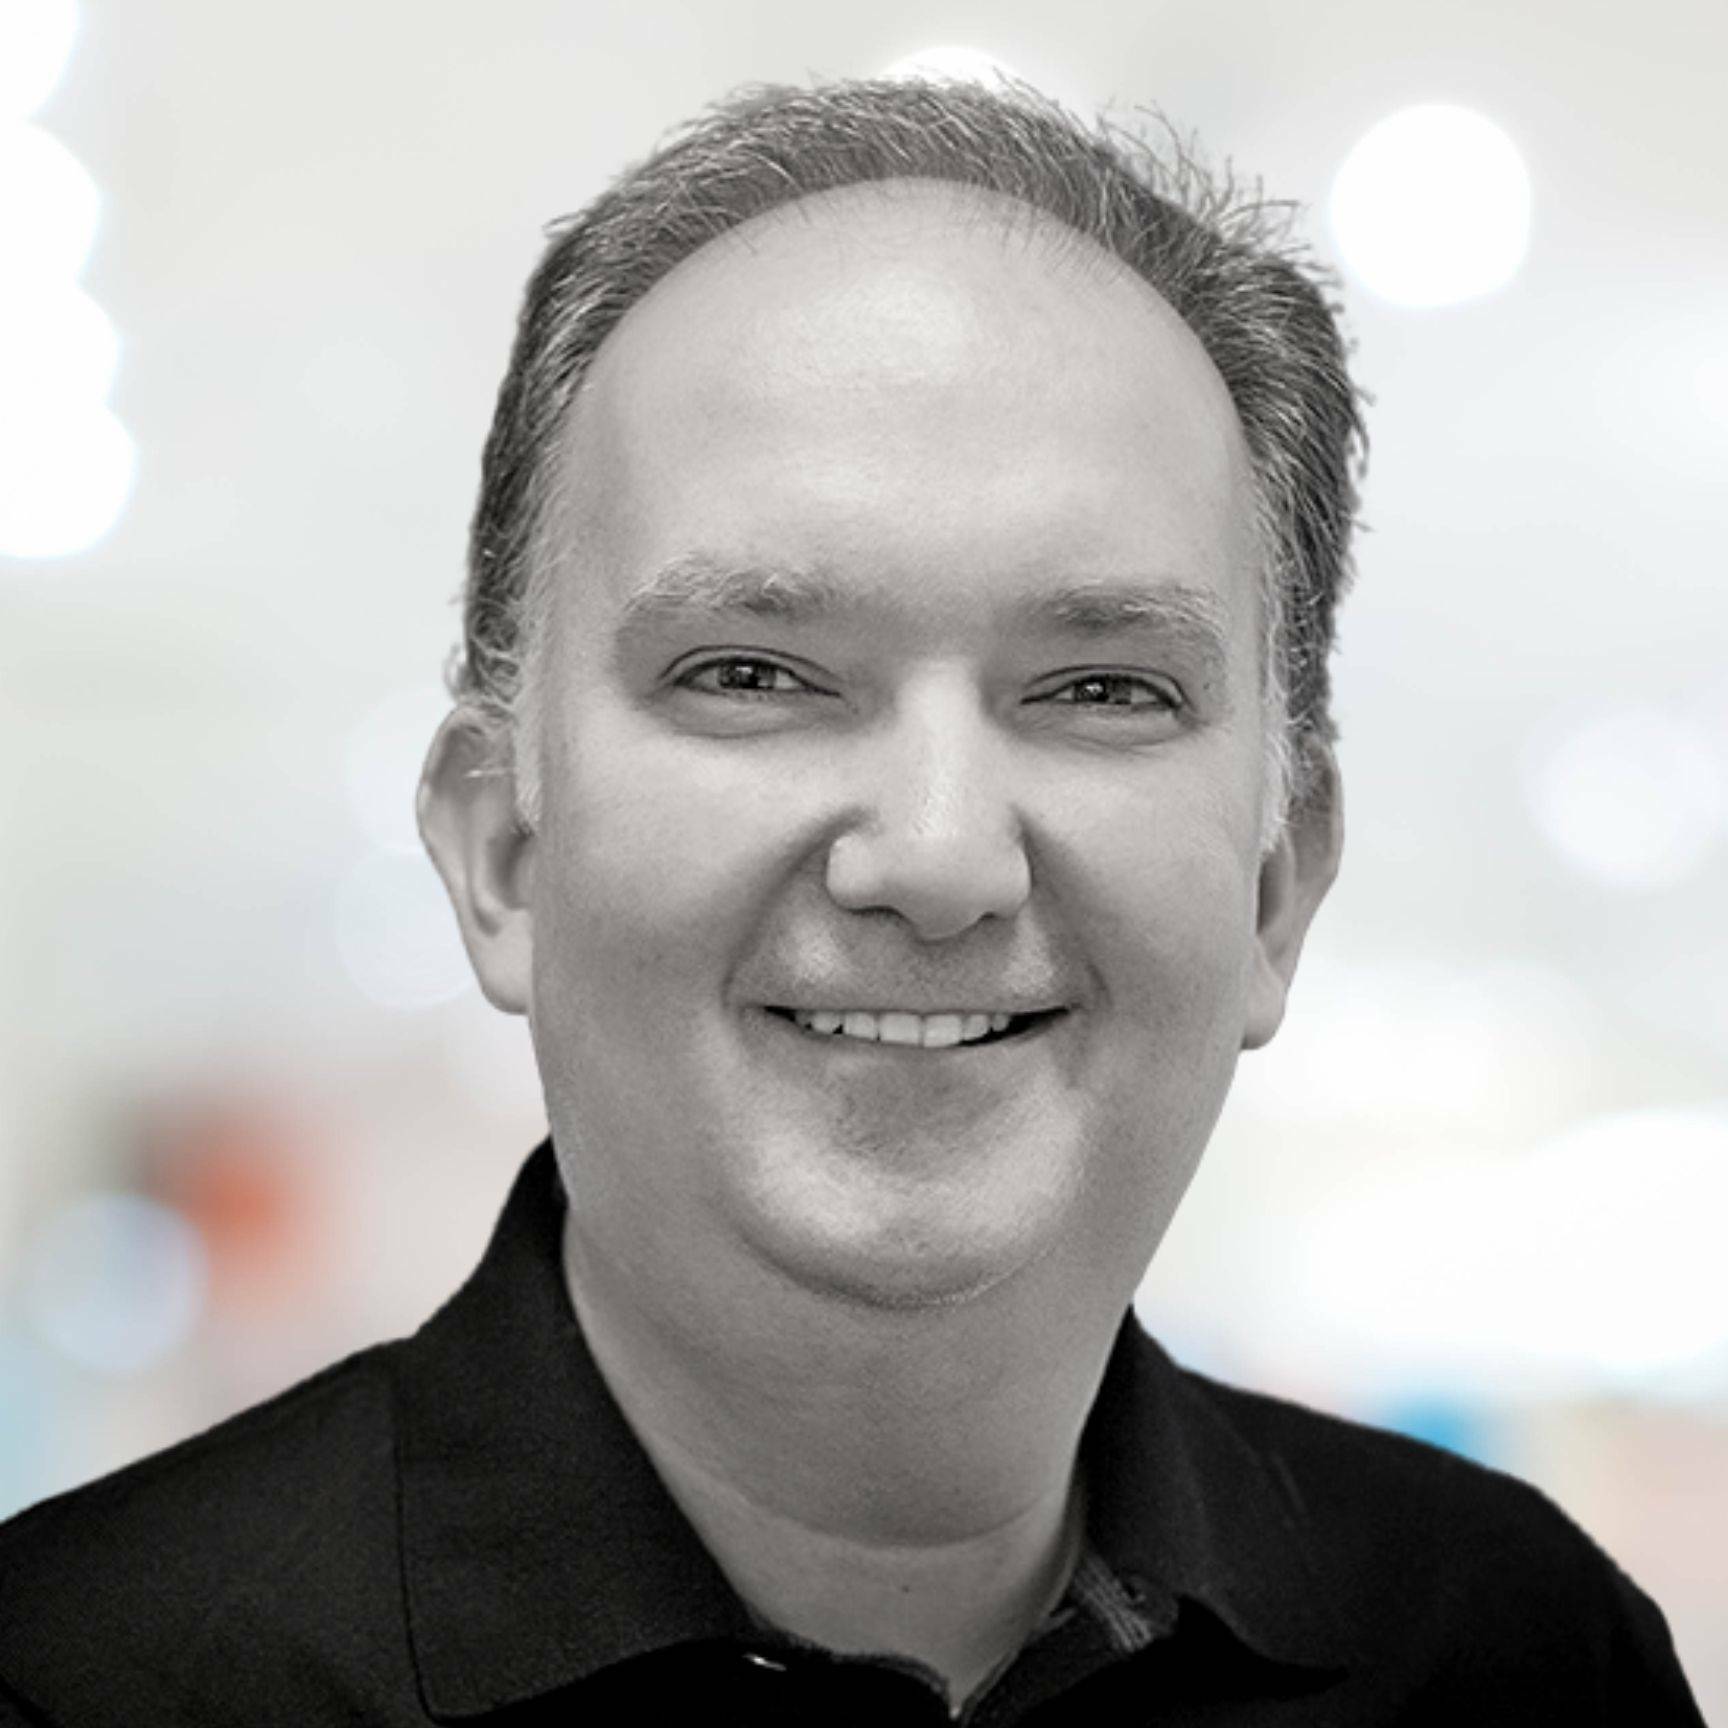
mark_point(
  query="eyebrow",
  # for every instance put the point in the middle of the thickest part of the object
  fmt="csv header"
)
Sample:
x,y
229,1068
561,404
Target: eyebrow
x,y
700,585
1195,618
696,584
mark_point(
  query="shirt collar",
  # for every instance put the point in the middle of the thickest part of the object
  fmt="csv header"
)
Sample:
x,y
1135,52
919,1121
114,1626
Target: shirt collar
x,y
1183,1505
539,1545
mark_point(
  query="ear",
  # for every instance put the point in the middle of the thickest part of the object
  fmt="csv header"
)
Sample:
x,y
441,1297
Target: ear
x,y
467,811
1294,877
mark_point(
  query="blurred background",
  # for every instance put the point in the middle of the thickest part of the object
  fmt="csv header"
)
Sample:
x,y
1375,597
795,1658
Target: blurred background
x,y
258,272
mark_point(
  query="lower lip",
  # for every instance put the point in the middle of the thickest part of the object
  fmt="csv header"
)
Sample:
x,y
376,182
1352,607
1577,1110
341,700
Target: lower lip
x,y
838,1043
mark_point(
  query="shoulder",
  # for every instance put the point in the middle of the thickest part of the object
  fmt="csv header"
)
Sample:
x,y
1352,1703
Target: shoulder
x,y
1358,1487
1420,1549
271,1532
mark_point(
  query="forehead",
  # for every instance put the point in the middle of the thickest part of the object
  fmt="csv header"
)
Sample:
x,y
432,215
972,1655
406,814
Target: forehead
x,y
901,377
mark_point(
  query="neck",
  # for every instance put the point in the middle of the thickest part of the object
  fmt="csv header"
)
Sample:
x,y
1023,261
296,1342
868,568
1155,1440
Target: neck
x,y
874,1480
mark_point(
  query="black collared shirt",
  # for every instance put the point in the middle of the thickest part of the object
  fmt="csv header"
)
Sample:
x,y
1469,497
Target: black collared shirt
x,y
462,1527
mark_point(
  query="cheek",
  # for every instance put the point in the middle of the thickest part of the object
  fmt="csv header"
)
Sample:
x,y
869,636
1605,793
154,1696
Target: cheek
x,y
1172,876
657,856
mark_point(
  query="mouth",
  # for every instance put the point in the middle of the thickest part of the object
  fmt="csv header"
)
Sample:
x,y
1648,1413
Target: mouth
x,y
960,1029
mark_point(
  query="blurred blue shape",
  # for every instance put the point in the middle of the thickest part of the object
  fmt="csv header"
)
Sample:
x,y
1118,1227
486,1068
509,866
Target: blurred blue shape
x,y
114,1282
1442,1420
27,1414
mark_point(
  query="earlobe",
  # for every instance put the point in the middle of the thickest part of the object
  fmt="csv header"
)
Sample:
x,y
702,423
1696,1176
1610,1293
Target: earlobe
x,y
469,823
1294,878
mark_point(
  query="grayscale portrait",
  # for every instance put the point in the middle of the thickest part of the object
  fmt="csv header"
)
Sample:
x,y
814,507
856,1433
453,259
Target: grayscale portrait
x,y
822,1130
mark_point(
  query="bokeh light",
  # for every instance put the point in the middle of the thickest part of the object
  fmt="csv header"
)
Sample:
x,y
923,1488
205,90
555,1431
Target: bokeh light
x,y
1460,1044
35,42
66,470
114,1282
952,62
1632,800
385,755
1710,381
56,344
48,206
1591,1263
27,1396
1431,206
66,463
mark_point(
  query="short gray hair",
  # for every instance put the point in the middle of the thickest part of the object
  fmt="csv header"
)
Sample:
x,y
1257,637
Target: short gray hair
x,y
1223,259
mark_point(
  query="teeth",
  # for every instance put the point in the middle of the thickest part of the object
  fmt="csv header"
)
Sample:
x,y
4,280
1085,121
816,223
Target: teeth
x,y
929,1031
941,1030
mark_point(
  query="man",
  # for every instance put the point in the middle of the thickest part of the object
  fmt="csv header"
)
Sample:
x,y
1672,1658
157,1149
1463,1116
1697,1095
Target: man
x,y
891,772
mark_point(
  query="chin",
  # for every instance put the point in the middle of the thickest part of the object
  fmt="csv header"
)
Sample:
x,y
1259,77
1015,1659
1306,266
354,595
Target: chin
x,y
905,1239
898,1281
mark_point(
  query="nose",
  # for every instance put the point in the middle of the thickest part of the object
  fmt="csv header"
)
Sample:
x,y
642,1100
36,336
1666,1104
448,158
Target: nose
x,y
936,837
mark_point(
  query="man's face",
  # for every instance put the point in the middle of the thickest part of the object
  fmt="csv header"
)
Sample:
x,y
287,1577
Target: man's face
x,y
902,668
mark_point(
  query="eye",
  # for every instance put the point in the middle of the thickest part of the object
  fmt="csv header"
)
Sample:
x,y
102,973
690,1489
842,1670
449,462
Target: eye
x,y
1126,691
743,675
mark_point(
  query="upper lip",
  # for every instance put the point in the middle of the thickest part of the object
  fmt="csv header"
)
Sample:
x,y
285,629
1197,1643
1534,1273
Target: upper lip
x,y
914,983
955,1002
